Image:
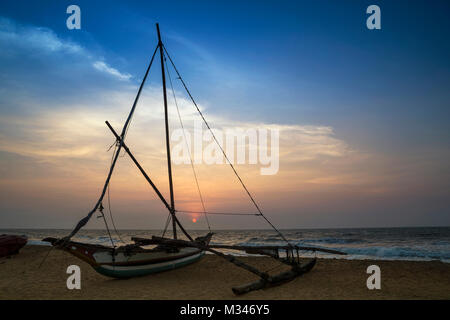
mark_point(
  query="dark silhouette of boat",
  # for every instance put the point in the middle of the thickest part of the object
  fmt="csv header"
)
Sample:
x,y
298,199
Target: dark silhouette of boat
x,y
11,244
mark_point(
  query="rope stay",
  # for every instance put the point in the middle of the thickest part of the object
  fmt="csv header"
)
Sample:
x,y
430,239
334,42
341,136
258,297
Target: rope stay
x,y
223,151
187,145
109,202
102,215
220,213
167,224
112,219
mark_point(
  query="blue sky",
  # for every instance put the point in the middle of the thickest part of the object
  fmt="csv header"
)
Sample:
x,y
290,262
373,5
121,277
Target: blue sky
x,y
385,93
294,61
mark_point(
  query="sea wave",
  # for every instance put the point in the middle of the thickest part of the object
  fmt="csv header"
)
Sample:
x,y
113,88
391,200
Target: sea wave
x,y
334,240
398,252
381,243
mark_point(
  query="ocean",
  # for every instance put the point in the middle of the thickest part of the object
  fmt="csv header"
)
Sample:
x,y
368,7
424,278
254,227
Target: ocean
x,y
420,244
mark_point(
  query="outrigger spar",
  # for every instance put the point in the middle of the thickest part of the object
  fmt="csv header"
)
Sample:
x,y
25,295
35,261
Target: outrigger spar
x,y
133,260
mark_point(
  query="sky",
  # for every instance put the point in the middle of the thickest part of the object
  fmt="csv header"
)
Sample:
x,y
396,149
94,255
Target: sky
x,y
363,114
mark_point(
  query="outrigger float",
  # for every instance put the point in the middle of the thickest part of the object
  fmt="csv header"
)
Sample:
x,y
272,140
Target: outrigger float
x,y
131,260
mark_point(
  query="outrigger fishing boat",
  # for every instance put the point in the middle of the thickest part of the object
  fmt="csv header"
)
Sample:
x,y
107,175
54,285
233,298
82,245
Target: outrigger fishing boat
x,y
131,260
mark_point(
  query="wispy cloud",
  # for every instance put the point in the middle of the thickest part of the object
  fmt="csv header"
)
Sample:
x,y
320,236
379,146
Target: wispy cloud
x,y
42,43
44,40
103,67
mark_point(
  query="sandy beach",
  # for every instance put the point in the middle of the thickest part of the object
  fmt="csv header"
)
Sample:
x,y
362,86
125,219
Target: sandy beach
x,y
212,278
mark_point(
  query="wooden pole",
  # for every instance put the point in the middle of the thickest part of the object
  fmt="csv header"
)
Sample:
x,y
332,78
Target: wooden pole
x,y
166,116
127,150
263,248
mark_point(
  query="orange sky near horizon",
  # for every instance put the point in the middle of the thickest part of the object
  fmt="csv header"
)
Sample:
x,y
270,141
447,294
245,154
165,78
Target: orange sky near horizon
x,y
57,176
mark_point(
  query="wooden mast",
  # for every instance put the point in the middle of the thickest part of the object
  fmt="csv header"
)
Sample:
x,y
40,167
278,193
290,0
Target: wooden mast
x,y
166,116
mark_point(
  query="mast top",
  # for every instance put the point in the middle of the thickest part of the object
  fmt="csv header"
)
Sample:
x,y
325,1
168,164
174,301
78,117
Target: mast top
x,y
159,33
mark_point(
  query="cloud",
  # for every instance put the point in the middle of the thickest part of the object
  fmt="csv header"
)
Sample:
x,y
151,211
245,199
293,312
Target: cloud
x,y
102,66
58,111
14,36
42,44
71,117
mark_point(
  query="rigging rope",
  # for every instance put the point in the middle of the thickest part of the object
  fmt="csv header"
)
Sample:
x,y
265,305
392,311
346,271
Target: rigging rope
x,y
109,202
46,256
223,152
167,224
106,224
187,146
222,213
112,219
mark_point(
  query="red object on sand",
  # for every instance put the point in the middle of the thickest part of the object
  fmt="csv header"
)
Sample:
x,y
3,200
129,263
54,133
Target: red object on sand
x,y
11,244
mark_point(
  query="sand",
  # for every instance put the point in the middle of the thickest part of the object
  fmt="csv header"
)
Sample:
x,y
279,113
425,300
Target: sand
x,y
212,278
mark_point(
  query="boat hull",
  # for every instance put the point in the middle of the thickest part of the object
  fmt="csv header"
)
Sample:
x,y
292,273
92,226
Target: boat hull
x,y
124,272
124,263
